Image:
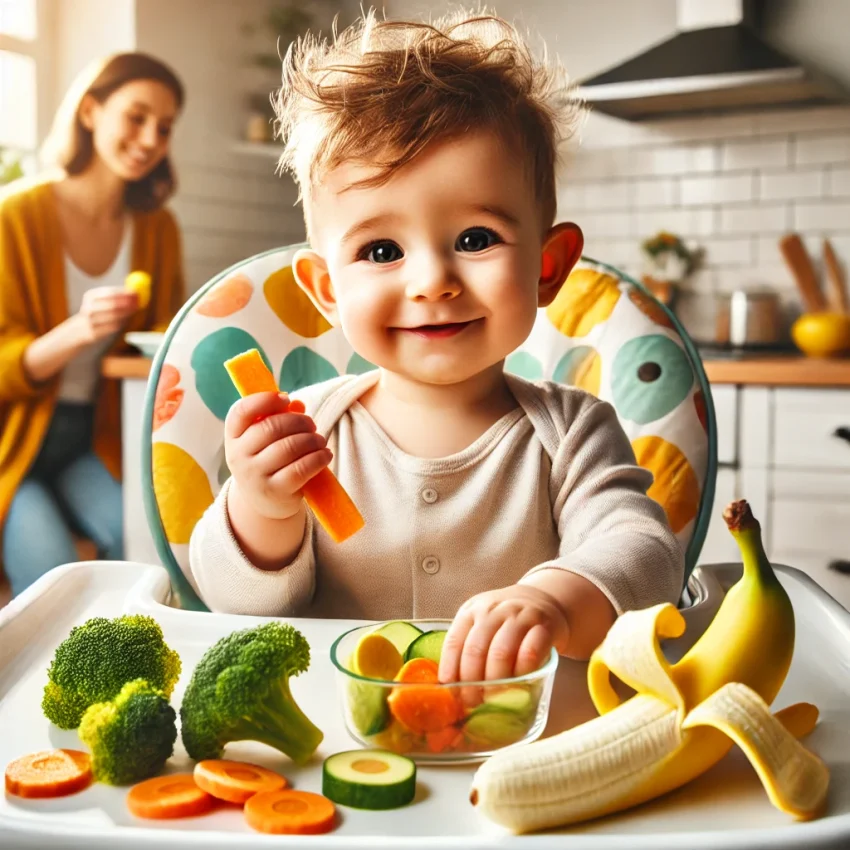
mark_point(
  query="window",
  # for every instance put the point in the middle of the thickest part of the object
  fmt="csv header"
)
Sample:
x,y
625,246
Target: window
x,y
22,52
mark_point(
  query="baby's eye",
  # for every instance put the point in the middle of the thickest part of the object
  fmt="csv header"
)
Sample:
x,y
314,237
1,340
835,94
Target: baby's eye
x,y
476,239
381,252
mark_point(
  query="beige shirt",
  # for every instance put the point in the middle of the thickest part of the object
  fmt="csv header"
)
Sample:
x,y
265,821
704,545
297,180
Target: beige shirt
x,y
553,484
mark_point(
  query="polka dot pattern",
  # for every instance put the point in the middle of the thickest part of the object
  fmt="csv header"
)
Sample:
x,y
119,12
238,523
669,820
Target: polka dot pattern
x,y
226,298
650,308
525,365
211,379
586,299
652,376
676,487
182,490
292,306
168,396
303,367
580,367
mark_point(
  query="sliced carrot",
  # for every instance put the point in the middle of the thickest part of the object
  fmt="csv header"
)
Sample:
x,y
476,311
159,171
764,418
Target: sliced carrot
x,y
296,406
422,670
173,796
325,496
235,781
444,739
290,813
249,373
424,708
49,773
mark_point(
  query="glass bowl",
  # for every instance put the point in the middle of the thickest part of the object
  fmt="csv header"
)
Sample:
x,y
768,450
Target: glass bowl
x,y
440,723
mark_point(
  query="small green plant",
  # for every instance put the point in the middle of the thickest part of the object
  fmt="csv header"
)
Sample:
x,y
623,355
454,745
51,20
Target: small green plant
x,y
285,23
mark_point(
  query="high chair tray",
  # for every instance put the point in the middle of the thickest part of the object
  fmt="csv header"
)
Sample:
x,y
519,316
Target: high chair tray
x,y
725,808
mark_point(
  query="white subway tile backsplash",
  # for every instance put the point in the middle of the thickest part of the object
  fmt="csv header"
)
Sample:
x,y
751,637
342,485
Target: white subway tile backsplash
x,y
838,182
791,185
655,193
604,224
826,216
717,189
733,185
688,222
732,251
818,150
755,218
607,195
754,153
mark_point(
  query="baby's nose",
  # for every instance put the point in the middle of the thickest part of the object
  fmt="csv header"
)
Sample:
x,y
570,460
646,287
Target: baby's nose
x,y
434,281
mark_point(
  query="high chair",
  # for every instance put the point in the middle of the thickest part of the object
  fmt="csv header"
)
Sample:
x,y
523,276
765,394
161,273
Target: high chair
x,y
604,333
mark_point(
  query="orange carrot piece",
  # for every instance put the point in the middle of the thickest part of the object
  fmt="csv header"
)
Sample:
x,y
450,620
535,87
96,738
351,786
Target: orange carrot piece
x,y
173,796
325,496
235,781
419,670
424,708
290,813
296,406
250,374
444,739
49,773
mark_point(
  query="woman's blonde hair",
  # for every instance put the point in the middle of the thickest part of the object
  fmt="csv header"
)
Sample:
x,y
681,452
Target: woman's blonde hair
x,y
69,144
382,91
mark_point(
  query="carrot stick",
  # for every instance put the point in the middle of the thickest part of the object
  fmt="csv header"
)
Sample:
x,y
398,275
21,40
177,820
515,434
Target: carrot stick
x,y
445,739
235,781
49,773
172,796
324,495
290,812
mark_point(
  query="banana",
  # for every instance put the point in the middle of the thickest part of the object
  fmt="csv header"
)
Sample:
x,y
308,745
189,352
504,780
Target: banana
x,y
684,718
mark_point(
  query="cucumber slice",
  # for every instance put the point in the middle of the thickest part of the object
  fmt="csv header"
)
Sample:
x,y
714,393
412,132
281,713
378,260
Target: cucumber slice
x,y
427,645
400,633
515,700
369,779
370,712
496,728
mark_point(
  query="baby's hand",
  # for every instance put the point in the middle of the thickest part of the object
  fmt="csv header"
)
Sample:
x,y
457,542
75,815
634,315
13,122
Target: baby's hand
x,y
272,453
502,633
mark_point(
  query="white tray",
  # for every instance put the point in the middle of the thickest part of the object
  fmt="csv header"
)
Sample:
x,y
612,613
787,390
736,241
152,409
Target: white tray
x,y
724,808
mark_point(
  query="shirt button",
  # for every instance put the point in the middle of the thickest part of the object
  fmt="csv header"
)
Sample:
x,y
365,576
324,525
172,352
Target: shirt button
x,y
430,495
431,565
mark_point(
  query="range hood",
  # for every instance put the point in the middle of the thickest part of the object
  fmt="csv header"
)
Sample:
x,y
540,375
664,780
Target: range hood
x,y
717,62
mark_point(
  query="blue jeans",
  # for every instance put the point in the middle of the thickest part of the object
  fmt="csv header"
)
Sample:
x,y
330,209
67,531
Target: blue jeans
x,y
67,490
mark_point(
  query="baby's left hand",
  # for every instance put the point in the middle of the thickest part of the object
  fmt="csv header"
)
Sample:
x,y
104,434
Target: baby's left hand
x,y
503,633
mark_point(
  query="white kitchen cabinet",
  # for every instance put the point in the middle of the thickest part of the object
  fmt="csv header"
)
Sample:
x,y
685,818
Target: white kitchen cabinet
x,y
791,465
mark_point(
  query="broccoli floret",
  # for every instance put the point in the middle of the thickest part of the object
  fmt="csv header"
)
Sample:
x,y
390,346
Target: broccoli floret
x,y
240,692
98,658
132,736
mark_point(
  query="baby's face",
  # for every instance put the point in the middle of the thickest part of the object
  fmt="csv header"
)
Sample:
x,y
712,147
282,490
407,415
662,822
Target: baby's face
x,y
434,274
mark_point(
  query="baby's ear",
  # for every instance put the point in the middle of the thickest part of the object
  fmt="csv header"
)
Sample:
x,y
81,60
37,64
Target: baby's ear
x,y
311,274
562,249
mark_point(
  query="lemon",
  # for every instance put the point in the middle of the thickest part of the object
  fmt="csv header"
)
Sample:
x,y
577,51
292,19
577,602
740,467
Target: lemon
x,y
821,334
140,283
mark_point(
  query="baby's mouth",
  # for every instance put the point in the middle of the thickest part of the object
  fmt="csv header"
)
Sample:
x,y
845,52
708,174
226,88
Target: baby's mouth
x,y
439,331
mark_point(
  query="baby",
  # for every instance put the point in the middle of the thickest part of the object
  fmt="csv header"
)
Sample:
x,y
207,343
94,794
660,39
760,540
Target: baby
x,y
426,158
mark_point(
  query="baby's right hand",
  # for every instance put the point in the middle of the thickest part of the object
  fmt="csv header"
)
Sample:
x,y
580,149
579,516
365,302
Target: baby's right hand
x,y
272,453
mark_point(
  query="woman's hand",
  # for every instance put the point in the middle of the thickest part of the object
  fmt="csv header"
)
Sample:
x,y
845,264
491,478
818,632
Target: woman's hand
x,y
104,312
503,633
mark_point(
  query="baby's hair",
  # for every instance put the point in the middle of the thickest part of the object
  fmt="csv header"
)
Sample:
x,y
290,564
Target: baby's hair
x,y
381,91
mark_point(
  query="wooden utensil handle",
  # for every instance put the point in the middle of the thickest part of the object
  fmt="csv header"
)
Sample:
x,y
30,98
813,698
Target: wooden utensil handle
x,y
835,277
797,259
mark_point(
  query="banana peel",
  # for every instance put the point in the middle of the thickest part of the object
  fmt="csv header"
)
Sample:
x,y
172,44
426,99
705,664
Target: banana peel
x,y
683,718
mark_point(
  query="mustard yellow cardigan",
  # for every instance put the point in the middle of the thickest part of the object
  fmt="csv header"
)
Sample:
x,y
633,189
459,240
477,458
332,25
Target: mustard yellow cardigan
x,y
33,300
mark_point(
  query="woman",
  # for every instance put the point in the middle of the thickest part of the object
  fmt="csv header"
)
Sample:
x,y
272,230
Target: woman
x,y
67,242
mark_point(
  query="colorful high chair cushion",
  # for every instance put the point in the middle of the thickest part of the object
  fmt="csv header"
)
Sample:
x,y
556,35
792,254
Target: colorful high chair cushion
x,y
602,333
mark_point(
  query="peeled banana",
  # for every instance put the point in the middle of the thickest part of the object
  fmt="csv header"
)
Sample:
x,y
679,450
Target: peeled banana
x,y
683,719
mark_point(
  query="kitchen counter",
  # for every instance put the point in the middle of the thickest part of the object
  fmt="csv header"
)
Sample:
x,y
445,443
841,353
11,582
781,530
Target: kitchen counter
x,y
788,371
